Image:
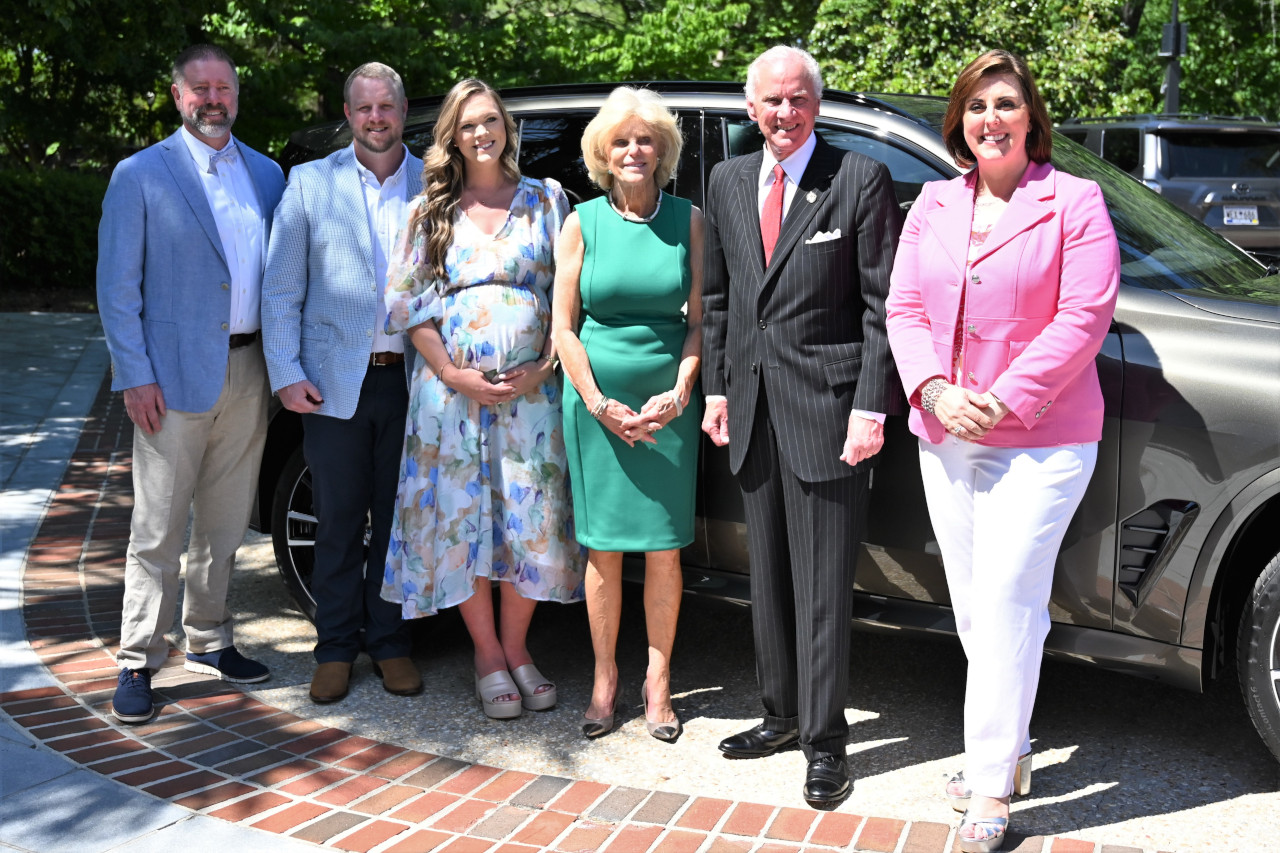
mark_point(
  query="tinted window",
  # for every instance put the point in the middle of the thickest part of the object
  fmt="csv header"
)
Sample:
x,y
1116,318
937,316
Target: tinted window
x,y
908,171
1161,247
1120,146
551,147
1199,154
1075,135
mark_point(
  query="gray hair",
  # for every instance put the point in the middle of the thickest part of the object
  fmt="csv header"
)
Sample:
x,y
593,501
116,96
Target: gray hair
x,y
200,52
375,71
784,53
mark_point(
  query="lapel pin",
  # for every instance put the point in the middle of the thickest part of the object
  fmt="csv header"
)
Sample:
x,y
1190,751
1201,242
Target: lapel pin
x,y
811,197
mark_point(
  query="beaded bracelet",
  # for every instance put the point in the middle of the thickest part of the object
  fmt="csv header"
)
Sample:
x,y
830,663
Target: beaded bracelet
x,y
931,392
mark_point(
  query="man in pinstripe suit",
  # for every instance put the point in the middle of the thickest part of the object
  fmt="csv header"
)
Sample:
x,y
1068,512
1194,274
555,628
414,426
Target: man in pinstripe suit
x,y
329,359
797,369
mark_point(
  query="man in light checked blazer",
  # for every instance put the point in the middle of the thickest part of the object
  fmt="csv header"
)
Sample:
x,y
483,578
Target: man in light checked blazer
x,y
798,375
329,359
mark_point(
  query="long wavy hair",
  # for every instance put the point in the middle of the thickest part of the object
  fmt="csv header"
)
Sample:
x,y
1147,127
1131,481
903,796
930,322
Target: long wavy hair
x,y
444,172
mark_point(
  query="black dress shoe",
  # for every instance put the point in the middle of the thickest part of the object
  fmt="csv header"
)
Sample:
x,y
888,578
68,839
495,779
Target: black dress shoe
x,y
827,781
757,742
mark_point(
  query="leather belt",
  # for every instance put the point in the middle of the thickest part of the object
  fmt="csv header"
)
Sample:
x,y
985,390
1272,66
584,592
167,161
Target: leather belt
x,y
382,359
242,339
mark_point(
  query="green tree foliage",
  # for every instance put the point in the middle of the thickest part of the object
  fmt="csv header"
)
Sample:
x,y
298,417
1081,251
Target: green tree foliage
x,y
920,47
81,79
1090,57
82,83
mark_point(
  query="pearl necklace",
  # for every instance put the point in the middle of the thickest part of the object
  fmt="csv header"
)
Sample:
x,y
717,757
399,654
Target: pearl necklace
x,y
638,219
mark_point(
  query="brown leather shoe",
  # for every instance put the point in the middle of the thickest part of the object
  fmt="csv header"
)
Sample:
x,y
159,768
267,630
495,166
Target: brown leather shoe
x,y
329,684
399,676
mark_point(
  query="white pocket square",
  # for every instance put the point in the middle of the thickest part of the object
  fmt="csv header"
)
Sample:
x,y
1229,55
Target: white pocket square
x,y
823,236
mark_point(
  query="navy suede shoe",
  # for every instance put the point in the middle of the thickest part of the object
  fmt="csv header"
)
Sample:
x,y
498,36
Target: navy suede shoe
x,y
229,665
132,702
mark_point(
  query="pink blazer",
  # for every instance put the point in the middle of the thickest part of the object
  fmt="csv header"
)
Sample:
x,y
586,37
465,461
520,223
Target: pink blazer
x,y
1039,303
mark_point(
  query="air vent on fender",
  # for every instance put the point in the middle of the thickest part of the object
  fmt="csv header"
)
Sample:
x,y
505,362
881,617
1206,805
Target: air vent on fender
x,y
1147,540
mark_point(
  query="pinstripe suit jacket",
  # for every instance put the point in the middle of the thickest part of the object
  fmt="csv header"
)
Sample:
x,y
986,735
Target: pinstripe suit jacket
x,y
319,299
810,327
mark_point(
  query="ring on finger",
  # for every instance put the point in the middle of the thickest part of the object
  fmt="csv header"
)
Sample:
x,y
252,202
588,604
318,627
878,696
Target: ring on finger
x,y
958,430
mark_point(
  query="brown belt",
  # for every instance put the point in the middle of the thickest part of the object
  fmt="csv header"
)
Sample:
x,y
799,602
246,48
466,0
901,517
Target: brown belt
x,y
242,339
382,359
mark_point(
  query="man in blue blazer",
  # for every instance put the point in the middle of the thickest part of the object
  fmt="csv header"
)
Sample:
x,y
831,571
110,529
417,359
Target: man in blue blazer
x,y
181,248
329,358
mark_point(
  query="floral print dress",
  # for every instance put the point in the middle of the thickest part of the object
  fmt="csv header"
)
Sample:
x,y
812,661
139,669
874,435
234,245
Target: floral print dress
x,y
483,489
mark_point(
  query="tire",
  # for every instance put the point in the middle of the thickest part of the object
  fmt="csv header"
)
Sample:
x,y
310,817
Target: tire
x,y
1258,655
293,531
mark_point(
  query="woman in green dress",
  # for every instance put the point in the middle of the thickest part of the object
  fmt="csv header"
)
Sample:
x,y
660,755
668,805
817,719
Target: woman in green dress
x,y
627,324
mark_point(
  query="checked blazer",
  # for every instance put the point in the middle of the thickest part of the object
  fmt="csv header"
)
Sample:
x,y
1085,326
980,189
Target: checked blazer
x,y
810,328
319,298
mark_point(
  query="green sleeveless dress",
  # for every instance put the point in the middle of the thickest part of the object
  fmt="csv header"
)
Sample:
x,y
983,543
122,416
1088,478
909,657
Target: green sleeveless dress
x,y
635,283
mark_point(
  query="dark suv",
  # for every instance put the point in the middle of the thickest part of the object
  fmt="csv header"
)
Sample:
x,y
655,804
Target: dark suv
x,y
1221,170
1171,567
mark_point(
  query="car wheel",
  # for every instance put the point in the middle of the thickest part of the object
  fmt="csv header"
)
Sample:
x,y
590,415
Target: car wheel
x,y
293,531
1258,647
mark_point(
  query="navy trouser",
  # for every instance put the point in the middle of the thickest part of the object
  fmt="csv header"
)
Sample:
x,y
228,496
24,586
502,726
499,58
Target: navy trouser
x,y
355,467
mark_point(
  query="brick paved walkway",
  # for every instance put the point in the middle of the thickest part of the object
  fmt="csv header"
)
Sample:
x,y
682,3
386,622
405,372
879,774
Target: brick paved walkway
x,y
223,753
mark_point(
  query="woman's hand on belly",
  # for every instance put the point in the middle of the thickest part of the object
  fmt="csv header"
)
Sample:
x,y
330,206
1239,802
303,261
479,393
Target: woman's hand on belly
x,y
524,378
475,385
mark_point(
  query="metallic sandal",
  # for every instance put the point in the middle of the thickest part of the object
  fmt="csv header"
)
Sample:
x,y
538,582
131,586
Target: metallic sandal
x,y
958,791
991,830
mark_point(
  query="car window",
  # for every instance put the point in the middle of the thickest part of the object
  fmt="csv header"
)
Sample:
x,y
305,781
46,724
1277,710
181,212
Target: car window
x,y
909,172
1120,146
551,147
1198,154
1075,135
1161,247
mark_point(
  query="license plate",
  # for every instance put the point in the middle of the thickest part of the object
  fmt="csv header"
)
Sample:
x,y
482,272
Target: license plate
x,y
1239,214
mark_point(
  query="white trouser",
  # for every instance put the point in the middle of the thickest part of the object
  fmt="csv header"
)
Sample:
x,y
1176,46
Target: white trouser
x,y
202,466
999,514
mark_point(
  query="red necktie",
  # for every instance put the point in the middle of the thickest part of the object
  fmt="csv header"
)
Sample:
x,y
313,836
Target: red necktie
x,y
771,217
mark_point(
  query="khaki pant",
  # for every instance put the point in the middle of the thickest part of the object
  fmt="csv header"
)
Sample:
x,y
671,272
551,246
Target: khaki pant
x,y
204,467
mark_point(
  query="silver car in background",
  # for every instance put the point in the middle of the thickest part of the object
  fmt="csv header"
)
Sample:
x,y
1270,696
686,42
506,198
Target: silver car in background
x,y
1171,567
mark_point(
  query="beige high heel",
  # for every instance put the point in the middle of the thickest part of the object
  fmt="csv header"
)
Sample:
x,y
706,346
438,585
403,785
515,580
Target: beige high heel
x,y
668,732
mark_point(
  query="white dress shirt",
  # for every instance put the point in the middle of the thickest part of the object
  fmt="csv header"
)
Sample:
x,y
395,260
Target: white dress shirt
x,y
385,204
242,228
793,167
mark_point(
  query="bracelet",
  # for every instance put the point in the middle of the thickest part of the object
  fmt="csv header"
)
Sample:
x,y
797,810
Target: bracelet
x,y
931,392
551,360
675,401
597,411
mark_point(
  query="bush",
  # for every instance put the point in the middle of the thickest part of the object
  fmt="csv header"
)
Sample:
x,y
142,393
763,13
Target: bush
x,y
49,229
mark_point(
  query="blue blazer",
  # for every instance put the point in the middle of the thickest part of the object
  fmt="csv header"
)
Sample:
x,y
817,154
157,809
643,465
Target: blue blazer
x,y
163,282
319,299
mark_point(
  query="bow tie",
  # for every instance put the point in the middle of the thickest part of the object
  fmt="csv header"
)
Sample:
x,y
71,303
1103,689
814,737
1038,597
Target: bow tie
x,y
226,155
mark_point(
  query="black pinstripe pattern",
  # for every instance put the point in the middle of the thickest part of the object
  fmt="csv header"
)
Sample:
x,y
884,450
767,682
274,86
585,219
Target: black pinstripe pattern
x,y
795,347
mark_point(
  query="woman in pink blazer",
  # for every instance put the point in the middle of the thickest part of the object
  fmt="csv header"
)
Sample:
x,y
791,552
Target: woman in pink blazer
x,y
1003,289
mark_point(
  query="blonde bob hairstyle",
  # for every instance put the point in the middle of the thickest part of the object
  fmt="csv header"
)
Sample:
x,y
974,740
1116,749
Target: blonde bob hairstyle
x,y
625,103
